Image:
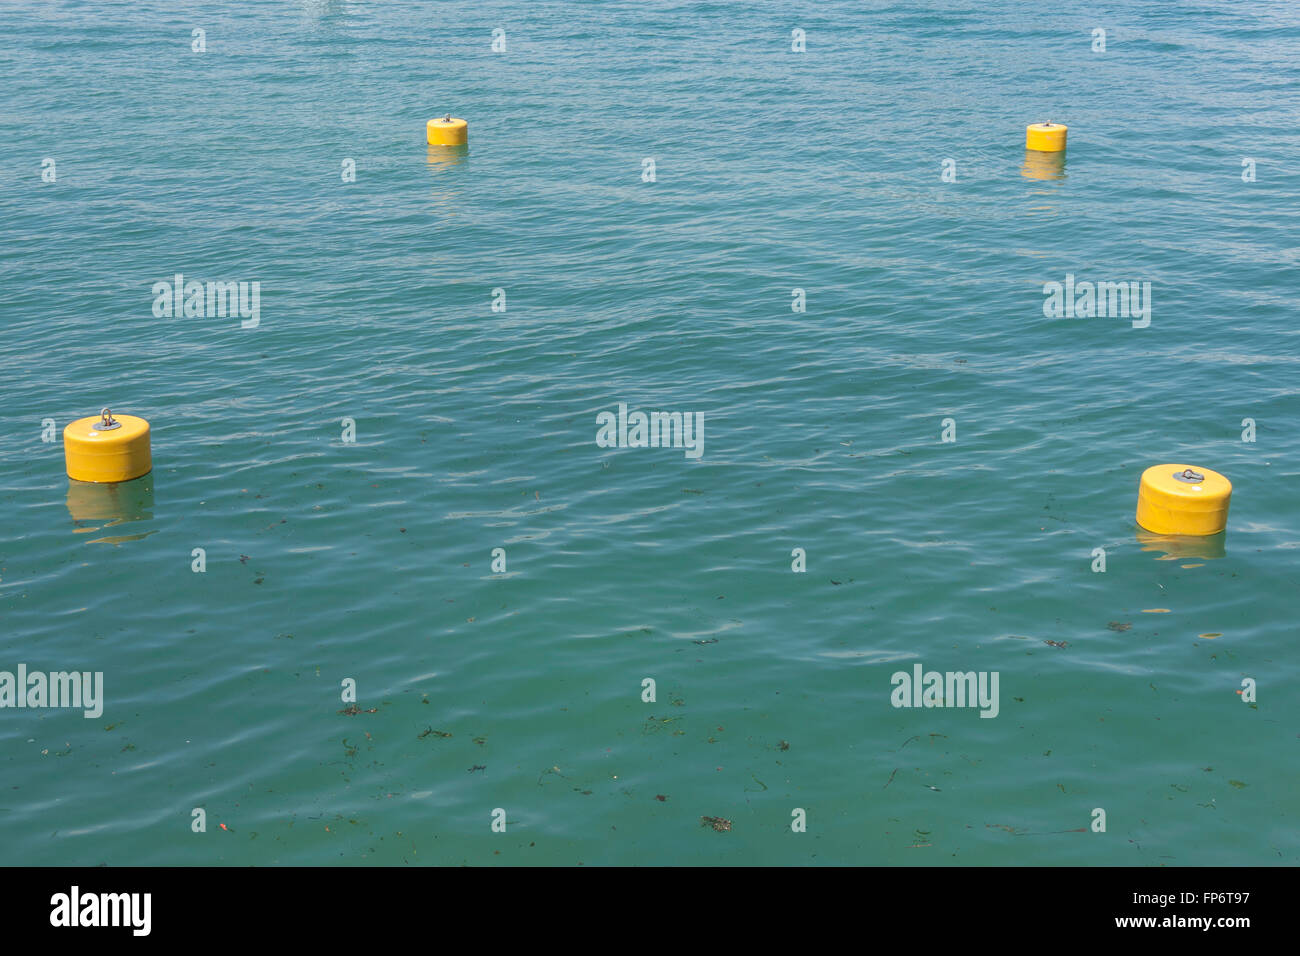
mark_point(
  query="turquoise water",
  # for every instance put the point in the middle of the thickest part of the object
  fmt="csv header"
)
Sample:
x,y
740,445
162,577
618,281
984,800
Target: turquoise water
x,y
475,429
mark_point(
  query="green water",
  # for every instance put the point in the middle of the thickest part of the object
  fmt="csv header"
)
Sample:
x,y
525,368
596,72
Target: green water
x,y
372,559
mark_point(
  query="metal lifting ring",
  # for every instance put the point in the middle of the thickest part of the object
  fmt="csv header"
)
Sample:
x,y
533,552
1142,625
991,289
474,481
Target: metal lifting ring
x,y
106,421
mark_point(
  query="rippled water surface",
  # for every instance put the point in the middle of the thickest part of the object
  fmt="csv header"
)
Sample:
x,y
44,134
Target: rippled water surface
x,y
475,429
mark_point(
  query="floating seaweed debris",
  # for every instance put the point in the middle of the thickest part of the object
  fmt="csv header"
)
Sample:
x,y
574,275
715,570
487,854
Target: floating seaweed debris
x,y
354,710
718,823
654,724
1119,626
552,770
436,733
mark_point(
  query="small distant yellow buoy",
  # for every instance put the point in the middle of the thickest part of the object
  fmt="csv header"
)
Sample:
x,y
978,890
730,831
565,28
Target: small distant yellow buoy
x,y
103,448
448,131
1180,499
1046,137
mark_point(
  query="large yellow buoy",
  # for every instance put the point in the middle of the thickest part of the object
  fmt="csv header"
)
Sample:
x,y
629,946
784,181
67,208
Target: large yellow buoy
x,y
1180,499
103,448
1046,137
448,131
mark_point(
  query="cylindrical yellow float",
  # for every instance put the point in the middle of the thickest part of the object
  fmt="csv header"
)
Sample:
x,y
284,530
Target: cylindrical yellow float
x,y
447,131
1181,499
1046,137
103,448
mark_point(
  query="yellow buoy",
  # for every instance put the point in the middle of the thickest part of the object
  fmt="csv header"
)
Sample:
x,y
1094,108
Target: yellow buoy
x,y
1180,499
1046,137
447,131
105,448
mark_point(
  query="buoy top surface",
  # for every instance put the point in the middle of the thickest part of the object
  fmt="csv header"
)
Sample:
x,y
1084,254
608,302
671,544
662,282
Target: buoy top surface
x,y
1184,485
448,122
1048,127
83,430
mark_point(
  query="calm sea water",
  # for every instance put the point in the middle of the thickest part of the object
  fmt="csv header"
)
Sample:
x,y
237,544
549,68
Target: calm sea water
x,y
475,429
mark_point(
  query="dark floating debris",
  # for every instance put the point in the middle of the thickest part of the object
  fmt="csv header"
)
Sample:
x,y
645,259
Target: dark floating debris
x,y
436,733
712,640
1118,625
1058,643
477,766
783,745
354,710
718,823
